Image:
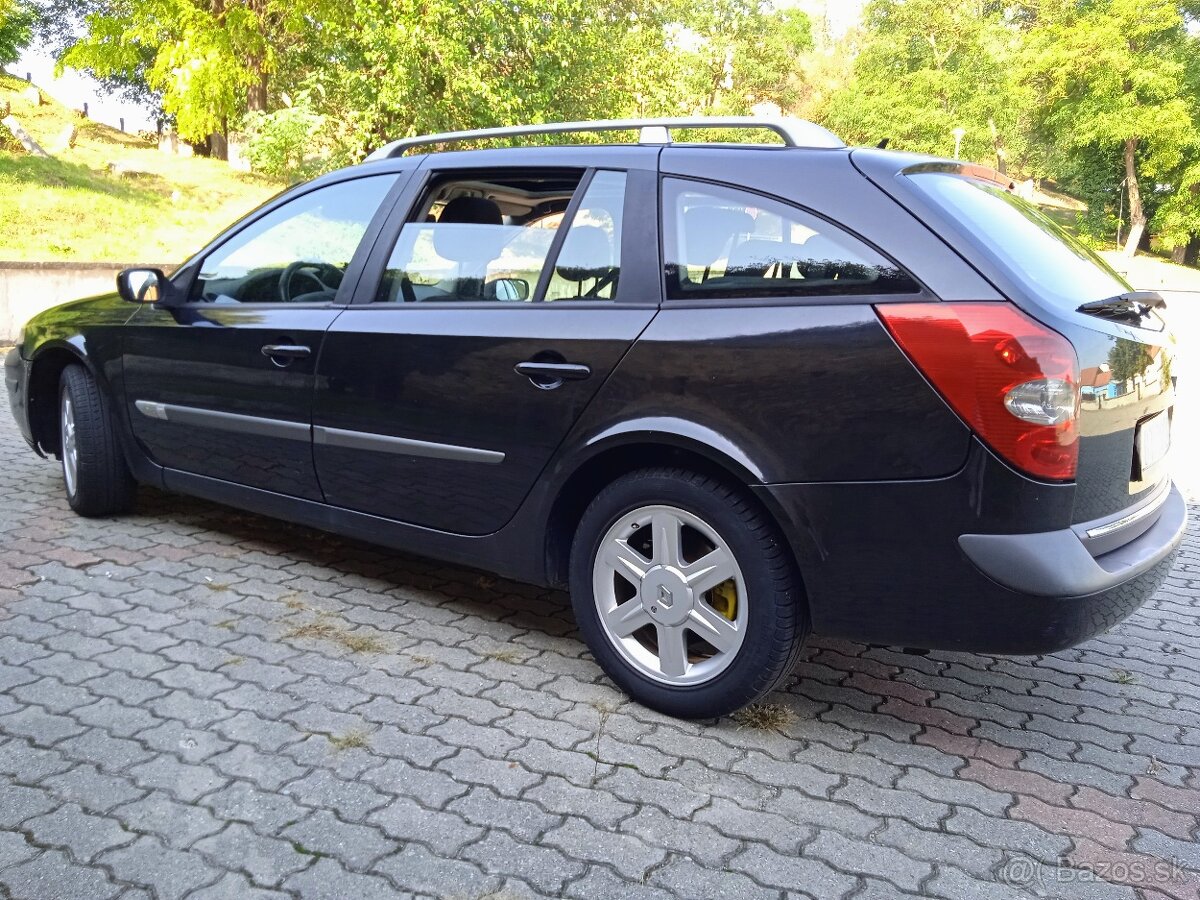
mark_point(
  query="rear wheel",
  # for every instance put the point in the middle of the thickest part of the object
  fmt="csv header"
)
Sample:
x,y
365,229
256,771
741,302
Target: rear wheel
x,y
95,476
685,593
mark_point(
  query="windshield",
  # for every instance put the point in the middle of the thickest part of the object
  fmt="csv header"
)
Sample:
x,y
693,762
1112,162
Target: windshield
x,y
1046,260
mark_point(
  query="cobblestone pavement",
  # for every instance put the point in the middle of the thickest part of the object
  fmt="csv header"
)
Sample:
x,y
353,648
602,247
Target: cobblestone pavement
x,y
199,703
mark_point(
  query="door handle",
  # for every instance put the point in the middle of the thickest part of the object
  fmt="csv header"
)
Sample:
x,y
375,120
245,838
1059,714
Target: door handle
x,y
284,354
549,375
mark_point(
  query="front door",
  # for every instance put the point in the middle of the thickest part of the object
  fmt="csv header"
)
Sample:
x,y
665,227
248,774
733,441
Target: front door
x,y
507,298
222,385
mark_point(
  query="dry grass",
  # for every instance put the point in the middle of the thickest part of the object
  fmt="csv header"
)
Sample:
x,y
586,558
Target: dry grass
x,y
764,716
505,656
293,601
351,740
326,629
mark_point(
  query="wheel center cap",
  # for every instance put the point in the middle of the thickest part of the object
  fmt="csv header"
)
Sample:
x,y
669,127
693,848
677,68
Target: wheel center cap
x,y
666,596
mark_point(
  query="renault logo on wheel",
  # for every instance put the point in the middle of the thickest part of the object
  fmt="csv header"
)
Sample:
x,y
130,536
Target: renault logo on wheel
x,y
665,597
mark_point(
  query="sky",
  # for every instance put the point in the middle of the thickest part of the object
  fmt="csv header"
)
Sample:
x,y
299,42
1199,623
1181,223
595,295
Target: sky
x,y
74,88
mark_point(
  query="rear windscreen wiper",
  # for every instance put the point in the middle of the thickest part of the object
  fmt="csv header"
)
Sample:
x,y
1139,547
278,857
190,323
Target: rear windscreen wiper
x,y
1125,304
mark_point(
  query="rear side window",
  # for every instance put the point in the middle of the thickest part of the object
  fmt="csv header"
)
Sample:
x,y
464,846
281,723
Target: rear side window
x,y
723,243
1031,248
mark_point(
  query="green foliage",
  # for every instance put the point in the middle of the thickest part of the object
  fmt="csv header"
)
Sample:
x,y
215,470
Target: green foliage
x,y
1101,97
284,144
208,60
927,68
16,29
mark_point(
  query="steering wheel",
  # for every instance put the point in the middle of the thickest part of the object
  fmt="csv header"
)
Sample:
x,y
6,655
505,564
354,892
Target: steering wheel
x,y
327,277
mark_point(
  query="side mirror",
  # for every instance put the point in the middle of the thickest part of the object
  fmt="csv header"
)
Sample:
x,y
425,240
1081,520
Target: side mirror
x,y
143,285
507,289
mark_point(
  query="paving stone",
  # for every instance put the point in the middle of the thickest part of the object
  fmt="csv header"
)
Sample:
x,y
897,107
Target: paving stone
x,y
684,878
507,778
154,724
545,869
444,832
429,788
865,858
24,762
629,855
52,874
186,782
178,825
416,869
108,753
350,800
83,835
267,860
355,846
235,886
15,849
170,874
269,772
245,803
18,803
91,789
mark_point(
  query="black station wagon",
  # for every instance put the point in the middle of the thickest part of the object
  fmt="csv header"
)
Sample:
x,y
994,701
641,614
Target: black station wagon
x,y
728,394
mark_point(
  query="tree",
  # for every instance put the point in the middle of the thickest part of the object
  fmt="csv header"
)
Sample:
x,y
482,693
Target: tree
x,y
209,60
732,55
1115,74
929,67
16,29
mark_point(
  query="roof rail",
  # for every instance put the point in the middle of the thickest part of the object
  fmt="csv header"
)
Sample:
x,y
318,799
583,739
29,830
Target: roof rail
x,y
794,132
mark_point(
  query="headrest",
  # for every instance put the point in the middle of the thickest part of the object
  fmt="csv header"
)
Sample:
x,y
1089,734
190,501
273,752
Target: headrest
x,y
819,248
586,253
754,258
469,230
475,210
709,230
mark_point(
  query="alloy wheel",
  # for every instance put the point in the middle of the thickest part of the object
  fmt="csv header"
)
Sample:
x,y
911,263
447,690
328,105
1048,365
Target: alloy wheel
x,y
670,594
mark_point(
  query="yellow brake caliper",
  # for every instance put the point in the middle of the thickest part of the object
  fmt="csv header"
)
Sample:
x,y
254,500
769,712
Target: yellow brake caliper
x,y
724,599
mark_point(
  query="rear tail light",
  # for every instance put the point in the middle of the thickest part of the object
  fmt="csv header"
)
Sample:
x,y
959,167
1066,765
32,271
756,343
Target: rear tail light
x,y
1014,381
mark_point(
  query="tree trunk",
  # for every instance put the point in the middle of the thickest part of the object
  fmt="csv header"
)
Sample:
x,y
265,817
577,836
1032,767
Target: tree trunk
x,y
998,147
256,94
1185,254
1137,214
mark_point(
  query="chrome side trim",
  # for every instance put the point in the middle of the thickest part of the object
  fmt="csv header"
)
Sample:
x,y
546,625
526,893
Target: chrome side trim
x,y
1151,506
385,443
224,421
153,410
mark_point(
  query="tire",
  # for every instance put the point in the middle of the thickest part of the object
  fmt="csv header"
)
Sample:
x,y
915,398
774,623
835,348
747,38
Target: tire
x,y
95,475
647,637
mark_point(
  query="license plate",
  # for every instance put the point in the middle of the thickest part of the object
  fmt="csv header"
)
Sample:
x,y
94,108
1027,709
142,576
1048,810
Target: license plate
x,y
1153,440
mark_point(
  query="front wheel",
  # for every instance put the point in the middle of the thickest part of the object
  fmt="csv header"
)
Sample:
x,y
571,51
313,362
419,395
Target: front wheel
x,y
95,475
685,593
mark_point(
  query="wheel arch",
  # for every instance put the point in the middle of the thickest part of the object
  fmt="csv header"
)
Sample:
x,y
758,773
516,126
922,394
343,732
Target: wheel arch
x,y
616,454
45,374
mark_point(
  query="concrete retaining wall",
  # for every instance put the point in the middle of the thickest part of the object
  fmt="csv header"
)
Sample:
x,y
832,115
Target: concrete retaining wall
x,y
27,288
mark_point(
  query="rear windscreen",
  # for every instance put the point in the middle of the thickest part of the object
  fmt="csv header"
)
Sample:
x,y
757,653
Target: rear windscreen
x,y
1033,250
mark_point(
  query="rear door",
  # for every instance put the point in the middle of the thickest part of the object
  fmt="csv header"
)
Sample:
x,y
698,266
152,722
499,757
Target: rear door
x,y
505,291
222,385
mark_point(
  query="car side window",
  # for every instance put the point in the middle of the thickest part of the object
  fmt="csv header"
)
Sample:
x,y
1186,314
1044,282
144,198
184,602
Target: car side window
x,y
723,243
487,237
589,263
297,253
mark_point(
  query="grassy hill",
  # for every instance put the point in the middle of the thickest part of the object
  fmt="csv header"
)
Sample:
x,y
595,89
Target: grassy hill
x,y
73,207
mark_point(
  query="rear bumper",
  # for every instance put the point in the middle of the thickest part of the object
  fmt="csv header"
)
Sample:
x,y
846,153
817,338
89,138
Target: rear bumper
x,y
960,563
1061,564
